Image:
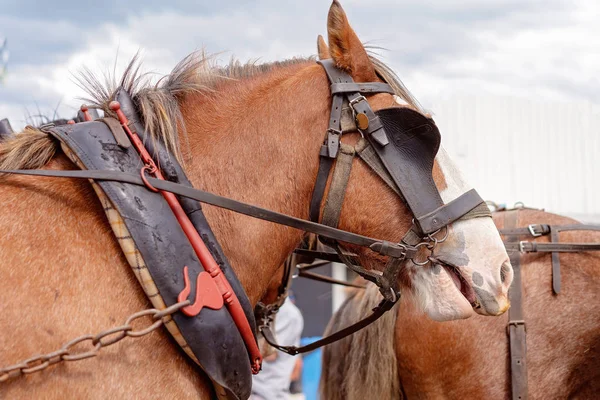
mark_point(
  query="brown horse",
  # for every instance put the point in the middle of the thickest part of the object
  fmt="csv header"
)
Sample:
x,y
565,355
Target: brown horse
x,y
470,359
251,133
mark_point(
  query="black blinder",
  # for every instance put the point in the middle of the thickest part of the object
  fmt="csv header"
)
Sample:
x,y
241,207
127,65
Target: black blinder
x,y
414,141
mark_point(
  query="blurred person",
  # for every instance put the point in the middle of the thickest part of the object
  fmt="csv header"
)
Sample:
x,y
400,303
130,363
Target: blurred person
x,y
273,382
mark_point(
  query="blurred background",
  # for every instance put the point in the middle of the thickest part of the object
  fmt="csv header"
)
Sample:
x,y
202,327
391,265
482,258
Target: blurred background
x,y
513,84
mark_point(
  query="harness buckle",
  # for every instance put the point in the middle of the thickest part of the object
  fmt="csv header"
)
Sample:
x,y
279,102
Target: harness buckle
x,y
522,246
531,229
516,323
357,100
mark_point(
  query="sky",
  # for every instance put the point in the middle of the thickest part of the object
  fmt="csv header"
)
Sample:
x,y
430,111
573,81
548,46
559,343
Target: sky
x,y
547,49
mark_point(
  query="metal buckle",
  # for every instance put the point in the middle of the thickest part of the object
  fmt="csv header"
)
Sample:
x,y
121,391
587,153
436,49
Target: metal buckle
x,y
357,100
516,323
522,246
532,231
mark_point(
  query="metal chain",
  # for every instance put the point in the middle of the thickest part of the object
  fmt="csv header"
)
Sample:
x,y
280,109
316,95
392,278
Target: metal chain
x,y
430,241
69,351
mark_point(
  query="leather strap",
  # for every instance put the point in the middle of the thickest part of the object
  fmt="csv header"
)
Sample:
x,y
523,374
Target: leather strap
x,y
534,230
554,246
378,311
339,183
366,153
117,131
365,88
356,100
325,164
554,237
382,247
309,256
324,278
544,229
448,213
535,247
516,321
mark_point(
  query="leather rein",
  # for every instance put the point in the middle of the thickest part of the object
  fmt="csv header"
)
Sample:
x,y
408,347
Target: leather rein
x,y
430,214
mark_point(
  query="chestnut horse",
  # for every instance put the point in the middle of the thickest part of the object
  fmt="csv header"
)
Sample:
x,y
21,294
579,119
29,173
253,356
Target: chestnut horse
x,y
251,133
407,355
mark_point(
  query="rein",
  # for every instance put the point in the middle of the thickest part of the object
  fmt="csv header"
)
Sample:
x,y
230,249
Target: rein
x,y
399,144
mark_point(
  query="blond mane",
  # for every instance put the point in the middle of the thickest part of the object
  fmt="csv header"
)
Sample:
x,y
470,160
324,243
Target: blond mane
x,y
158,103
363,365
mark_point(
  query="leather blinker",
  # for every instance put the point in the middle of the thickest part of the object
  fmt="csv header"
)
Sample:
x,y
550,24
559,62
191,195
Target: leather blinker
x,y
414,143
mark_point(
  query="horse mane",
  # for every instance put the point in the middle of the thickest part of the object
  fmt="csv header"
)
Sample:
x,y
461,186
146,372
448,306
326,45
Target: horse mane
x,y
158,103
363,365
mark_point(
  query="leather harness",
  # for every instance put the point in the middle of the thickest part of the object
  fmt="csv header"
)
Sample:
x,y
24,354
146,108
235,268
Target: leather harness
x,y
399,144
516,327
516,320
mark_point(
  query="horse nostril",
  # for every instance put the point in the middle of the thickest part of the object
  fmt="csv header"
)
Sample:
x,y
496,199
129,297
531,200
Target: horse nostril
x,y
504,271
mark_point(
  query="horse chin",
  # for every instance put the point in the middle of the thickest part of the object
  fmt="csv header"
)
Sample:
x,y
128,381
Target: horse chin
x,y
439,295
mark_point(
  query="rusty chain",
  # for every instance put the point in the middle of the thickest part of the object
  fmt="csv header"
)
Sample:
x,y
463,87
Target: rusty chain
x,y
106,338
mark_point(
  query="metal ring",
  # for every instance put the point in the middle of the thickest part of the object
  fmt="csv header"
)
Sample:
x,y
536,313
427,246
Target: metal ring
x,y
446,233
394,295
150,169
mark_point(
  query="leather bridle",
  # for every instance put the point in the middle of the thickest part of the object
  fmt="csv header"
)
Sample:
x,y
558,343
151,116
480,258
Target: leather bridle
x,y
398,144
430,214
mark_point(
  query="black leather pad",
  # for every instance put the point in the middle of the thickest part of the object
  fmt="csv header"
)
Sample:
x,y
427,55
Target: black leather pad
x,y
212,335
5,129
409,157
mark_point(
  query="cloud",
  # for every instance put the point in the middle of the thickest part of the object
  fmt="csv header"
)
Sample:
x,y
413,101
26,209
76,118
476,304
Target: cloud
x,y
526,48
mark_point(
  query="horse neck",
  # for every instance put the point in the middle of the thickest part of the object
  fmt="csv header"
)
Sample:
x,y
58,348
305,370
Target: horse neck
x,y
257,141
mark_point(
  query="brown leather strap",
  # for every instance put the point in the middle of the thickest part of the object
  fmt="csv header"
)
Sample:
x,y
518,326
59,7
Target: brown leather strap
x,y
544,229
534,230
535,247
516,321
555,247
117,131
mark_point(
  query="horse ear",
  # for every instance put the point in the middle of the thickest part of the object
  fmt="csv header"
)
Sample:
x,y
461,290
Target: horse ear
x,y
345,48
322,49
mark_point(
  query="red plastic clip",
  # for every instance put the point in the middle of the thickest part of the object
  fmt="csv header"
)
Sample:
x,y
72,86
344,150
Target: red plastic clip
x,y
207,294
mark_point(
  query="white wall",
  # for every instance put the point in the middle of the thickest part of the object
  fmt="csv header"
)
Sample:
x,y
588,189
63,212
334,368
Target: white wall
x,y
541,153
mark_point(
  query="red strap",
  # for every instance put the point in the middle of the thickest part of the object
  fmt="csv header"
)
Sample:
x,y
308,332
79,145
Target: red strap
x,y
206,259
